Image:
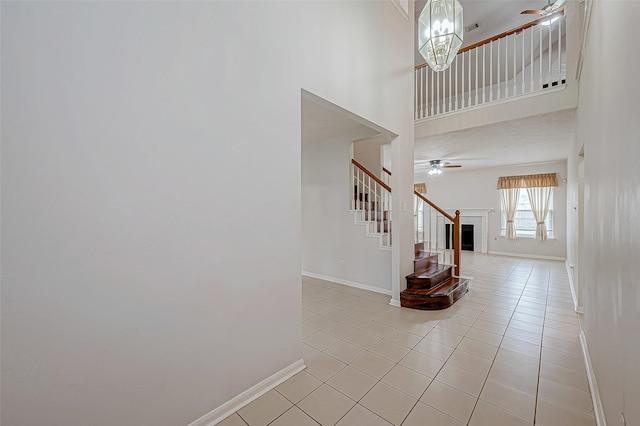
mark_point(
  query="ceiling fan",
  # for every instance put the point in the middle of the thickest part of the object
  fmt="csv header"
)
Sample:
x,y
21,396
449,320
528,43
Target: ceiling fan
x,y
436,166
548,9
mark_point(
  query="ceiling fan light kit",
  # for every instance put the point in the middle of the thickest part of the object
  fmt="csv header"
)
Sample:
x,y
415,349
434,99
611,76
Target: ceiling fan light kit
x,y
548,9
436,166
440,31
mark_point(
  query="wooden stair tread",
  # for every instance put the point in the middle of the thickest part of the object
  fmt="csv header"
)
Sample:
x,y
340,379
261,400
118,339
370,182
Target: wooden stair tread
x,y
433,270
424,260
438,297
441,289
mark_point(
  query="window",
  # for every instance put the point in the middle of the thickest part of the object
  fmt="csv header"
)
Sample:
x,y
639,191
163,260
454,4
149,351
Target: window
x,y
524,221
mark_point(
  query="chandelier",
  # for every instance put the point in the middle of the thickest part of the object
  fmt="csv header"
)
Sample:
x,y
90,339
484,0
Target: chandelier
x,y
440,32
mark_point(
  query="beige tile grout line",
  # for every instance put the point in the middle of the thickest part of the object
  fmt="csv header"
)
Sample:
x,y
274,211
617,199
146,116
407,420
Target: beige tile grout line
x,y
444,363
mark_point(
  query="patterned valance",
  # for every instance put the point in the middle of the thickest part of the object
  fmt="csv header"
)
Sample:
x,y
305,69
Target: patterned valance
x,y
420,188
528,181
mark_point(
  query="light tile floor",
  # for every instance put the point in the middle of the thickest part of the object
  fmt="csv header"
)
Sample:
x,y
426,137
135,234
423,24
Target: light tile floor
x,y
508,353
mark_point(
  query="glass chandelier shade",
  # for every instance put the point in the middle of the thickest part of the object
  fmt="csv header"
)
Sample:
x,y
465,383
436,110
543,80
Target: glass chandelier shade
x,y
440,32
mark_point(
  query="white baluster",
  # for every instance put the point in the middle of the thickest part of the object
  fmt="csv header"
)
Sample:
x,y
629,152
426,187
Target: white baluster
x,y
438,89
432,94
515,57
462,79
416,75
506,67
498,67
532,56
450,100
353,181
469,75
550,77
559,51
476,49
491,72
457,93
522,67
437,227
484,74
423,91
540,32
357,188
367,198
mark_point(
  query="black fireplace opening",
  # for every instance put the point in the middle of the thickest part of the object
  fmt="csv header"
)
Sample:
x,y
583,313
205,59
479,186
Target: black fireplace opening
x,y
466,237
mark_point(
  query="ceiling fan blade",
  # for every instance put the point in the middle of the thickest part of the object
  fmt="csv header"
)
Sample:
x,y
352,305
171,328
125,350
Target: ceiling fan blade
x,y
532,12
451,166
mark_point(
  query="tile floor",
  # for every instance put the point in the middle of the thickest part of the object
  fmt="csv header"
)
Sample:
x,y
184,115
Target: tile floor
x,y
508,354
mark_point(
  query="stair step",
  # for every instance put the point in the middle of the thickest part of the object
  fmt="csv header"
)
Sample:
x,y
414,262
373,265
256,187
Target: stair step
x,y
424,261
428,278
376,215
380,227
440,297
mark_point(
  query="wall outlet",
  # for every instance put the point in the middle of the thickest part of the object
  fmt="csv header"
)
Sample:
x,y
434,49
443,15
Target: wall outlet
x,y
342,263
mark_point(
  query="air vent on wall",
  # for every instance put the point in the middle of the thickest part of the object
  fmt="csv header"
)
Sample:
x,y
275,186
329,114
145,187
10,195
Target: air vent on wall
x,y
472,27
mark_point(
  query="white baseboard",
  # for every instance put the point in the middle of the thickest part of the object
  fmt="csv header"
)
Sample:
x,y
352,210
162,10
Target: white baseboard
x,y
527,256
593,384
251,394
348,283
395,303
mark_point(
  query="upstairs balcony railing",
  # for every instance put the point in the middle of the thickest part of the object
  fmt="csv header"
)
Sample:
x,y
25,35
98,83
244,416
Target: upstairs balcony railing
x,y
524,61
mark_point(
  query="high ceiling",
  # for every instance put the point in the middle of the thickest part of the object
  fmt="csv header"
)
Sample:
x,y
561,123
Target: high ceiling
x,y
536,139
493,17
530,140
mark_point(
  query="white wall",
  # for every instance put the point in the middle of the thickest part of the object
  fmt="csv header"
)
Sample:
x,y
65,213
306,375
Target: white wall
x,y
151,194
476,189
607,126
368,153
329,234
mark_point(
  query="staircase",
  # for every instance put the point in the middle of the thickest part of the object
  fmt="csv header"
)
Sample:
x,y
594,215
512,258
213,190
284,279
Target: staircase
x,y
432,285
371,204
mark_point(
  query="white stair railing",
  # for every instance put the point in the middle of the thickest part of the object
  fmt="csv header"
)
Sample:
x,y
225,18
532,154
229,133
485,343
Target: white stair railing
x,y
520,62
438,230
371,202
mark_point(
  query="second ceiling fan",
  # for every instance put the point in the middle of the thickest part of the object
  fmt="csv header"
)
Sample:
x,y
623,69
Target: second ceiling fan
x,y
436,166
548,9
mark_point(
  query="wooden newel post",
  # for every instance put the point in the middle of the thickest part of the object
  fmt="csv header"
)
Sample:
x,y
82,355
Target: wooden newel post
x,y
456,244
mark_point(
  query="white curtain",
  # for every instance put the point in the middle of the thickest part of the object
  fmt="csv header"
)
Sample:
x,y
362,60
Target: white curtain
x,y
539,200
510,198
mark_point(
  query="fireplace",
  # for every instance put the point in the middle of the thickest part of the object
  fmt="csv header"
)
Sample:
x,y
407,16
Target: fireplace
x,y
466,237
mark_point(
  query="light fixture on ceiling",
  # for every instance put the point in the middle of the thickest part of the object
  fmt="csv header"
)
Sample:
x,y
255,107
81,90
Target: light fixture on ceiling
x,y
440,32
436,167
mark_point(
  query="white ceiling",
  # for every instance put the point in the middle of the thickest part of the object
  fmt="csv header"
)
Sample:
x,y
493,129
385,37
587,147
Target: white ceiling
x,y
530,140
321,121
